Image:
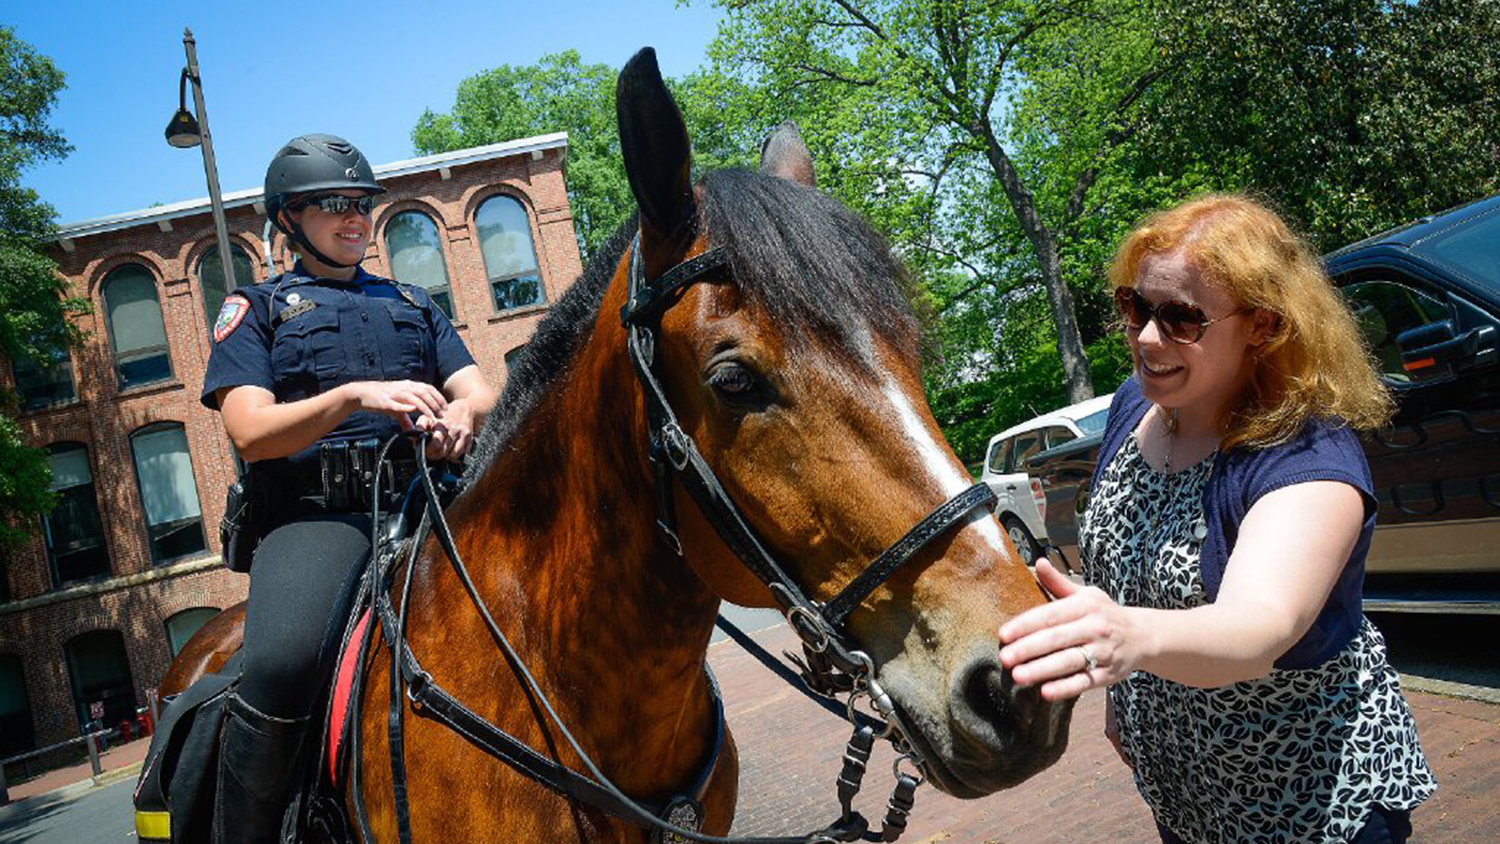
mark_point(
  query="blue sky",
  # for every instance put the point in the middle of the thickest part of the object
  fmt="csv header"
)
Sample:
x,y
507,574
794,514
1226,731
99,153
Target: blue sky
x,y
275,69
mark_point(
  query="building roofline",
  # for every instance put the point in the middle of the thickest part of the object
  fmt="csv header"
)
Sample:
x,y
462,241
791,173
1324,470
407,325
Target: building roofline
x,y
251,196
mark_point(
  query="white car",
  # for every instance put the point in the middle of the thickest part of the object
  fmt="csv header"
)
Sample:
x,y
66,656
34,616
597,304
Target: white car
x,y
1022,506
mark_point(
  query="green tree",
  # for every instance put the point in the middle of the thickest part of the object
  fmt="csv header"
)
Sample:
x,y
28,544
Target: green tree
x,y
33,297
558,93
1352,116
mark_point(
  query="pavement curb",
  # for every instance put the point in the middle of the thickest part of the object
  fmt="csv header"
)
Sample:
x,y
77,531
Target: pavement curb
x,y
68,792
1448,688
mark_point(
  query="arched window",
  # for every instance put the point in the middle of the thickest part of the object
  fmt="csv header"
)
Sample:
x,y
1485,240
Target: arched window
x,y
43,382
509,256
17,733
168,491
211,279
416,252
182,626
100,672
135,326
74,535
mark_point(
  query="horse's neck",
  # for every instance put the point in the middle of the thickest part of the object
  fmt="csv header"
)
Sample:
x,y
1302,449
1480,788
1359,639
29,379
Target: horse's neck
x,y
560,535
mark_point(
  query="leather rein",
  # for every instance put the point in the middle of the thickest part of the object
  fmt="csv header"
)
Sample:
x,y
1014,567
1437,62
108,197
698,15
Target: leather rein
x,y
829,666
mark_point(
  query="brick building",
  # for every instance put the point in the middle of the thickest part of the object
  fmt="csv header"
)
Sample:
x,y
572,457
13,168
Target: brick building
x,y
127,566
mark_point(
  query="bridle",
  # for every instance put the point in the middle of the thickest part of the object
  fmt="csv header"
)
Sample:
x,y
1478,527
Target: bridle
x,y
829,666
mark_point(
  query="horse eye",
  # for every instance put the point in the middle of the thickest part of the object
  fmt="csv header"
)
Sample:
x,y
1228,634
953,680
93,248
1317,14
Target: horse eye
x,y
732,380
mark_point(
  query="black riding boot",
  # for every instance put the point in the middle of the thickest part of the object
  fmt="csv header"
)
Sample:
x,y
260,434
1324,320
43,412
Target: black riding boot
x,y
255,768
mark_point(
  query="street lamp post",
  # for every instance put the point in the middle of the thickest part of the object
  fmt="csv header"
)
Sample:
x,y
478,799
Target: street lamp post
x,y
186,131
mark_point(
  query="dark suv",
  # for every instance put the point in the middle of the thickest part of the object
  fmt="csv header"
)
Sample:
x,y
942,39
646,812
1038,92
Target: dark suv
x,y
1427,295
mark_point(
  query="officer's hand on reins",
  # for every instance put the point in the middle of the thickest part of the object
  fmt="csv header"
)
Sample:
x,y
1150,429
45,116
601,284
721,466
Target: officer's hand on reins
x,y
399,399
452,432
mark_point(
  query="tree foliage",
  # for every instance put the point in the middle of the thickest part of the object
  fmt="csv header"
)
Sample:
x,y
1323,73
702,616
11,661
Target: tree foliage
x,y
558,93
1005,147
33,297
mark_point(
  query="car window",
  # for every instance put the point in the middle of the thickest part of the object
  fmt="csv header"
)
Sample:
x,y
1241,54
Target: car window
x,y
1470,247
1384,309
1058,435
1027,444
1094,422
998,453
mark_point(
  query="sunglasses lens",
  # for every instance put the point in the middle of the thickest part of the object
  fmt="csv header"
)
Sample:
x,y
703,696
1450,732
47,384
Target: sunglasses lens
x,y
1133,307
1181,322
337,204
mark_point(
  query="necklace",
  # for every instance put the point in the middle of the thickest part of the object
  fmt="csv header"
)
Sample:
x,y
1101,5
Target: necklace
x,y
1169,424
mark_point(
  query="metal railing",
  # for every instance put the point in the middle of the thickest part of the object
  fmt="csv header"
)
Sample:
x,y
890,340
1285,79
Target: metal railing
x,y
89,740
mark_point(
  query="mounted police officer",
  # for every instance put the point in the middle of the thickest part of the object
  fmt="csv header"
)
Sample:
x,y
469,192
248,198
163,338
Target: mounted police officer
x,y
312,370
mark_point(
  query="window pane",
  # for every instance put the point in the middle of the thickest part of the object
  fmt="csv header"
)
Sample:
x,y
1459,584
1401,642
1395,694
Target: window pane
x,y
1094,422
182,626
16,729
1383,310
73,532
417,255
45,381
101,672
166,473
505,238
1469,247
135,326
168,492
211,279
518,292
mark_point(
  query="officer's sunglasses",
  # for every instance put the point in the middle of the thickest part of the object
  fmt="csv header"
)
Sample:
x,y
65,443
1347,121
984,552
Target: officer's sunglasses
x,y
1178,321
335,204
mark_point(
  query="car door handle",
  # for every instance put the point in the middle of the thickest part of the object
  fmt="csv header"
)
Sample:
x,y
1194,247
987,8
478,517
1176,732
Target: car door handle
x,y
1011,487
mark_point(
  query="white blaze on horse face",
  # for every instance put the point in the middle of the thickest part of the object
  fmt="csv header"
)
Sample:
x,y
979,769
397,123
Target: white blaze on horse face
x,y
940,466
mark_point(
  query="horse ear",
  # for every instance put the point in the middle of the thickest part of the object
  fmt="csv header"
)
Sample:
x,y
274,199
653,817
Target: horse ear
x,y
654,140
785,156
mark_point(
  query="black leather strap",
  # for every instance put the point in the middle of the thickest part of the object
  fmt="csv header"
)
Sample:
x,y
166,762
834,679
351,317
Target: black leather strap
x,y
936,524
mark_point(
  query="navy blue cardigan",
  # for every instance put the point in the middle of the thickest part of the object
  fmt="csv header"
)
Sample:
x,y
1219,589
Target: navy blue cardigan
x,y
1324,451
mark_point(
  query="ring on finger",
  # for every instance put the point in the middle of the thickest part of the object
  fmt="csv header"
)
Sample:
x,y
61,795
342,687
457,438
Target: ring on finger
x,y
1089,662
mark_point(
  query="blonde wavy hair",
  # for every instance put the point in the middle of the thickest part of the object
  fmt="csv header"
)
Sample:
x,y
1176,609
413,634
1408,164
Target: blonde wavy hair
x,y
1315,362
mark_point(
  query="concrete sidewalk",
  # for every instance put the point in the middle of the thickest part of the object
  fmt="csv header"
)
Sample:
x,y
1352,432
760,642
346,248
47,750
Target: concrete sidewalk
x,y
790,750
119,762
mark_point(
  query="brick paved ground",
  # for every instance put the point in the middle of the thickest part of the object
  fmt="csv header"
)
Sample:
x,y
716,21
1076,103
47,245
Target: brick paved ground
x,y
790,749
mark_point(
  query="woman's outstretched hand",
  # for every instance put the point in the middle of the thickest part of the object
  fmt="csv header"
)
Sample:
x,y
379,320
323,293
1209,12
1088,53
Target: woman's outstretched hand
x,y
1079,641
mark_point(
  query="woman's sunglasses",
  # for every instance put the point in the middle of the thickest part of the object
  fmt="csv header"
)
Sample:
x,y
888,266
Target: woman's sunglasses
x,y
336,204
1177,321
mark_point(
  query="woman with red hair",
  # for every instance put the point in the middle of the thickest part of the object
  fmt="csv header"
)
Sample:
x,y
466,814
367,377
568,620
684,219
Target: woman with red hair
x,y
1224,548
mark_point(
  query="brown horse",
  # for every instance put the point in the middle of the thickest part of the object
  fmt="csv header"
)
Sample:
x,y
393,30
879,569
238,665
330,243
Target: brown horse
x,y
797,374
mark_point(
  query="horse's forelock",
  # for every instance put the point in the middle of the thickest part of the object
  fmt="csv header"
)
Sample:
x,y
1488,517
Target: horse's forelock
x,y
817,270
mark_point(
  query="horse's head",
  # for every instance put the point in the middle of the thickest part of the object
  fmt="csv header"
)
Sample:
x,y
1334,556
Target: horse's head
x,y
796,370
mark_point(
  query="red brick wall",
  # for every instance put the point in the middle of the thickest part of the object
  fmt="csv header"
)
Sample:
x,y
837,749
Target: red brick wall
x,y
103,417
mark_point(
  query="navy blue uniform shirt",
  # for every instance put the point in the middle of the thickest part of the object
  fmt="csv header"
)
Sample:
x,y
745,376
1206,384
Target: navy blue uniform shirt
x,y
299,336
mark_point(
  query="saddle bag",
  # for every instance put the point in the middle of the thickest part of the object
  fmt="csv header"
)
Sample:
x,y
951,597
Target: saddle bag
x,y
174,797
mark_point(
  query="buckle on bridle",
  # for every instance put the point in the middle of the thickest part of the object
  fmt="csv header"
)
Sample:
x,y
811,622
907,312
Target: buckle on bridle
x,y
674,444
810,628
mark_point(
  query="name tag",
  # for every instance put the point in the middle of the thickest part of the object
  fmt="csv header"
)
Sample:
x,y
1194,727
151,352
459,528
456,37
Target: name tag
x,y
296,310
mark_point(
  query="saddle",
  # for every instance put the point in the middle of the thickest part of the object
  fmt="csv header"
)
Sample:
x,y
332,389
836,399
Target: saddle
x,y
174,796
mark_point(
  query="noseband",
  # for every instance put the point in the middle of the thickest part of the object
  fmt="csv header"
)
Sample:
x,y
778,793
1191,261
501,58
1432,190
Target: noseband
x,y
829,665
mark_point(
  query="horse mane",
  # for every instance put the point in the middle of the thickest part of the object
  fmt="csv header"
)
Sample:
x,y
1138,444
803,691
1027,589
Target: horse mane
x,y
816,268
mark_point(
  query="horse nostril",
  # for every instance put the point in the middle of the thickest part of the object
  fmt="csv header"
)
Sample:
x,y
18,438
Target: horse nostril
x,y
988,692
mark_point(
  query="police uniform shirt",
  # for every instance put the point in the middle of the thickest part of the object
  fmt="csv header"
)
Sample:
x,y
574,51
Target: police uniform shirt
x,y
300,336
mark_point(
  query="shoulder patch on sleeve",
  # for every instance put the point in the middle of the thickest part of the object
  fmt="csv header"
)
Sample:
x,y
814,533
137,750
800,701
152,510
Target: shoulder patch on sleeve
x,y
234,310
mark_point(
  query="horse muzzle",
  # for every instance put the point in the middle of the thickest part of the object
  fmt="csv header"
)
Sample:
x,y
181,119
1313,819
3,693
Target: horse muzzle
x,y
988,735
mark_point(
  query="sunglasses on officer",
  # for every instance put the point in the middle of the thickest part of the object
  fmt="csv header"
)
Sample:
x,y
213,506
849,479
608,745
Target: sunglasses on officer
x,y
336,204
1178,321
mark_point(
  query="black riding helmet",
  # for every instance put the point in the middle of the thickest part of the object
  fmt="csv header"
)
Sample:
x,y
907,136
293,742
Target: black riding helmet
x,y
315,163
